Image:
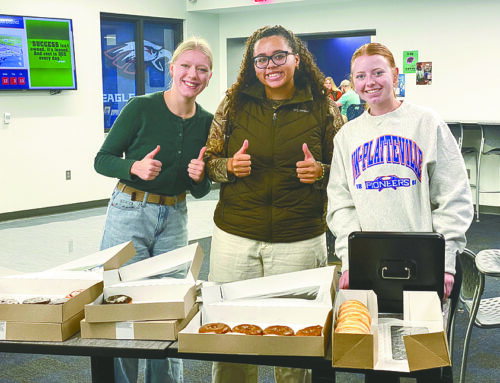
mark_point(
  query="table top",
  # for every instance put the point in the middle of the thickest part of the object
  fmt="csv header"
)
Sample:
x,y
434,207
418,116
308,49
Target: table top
x,y
77,346
150,349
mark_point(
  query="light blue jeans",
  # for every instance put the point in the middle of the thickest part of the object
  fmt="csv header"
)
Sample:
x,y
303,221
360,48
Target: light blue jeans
x,y
154,229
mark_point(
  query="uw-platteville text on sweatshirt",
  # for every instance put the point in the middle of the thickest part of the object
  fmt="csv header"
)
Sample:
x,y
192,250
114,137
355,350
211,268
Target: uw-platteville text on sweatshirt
x,y
402,171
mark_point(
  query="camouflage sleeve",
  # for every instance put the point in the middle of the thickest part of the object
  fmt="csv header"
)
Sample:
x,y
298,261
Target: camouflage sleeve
x,y
334,124
215,159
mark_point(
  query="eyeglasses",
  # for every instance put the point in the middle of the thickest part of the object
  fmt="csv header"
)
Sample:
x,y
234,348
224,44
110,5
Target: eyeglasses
x,y
279,58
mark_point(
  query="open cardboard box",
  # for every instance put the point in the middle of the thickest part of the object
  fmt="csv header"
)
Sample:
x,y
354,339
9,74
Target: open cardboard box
x,y
108,259
23,288
137,330
152,299
299,299
53,321
91,267
424,347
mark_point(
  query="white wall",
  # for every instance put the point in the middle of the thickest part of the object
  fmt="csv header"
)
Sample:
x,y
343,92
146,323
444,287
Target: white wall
x,y
460,37
51,134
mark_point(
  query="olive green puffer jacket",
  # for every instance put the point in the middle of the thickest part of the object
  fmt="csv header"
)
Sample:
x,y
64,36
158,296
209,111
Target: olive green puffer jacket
x,y
271,204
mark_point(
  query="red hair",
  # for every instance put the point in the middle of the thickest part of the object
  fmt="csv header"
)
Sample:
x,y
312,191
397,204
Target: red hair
x,y
372,49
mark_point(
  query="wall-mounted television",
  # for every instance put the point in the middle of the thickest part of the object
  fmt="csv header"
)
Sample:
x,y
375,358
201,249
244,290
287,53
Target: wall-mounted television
x,y
36,53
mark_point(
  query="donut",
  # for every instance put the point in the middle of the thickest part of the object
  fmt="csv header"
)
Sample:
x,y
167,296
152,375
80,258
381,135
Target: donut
x,y
58,301
248,329
310,331
8,301
217,328
37,301
353,326
278,330
361,316
353,303
118,299
353,317
74,293
353,308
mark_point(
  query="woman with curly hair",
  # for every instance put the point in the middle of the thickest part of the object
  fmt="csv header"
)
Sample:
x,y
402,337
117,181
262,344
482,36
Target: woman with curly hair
x,y
269,147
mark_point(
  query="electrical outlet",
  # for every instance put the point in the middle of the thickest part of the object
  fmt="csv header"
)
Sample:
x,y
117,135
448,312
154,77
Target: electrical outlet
x,y
68,175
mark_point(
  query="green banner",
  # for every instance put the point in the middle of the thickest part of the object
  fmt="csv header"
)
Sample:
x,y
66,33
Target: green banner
x,y
49,53
410,59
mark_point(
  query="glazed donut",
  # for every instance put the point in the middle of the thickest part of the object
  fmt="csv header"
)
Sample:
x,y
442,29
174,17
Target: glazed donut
x,y
37,301
353,317
358,315
217,328
118,299
310,331
58,301
279,330
353,326
353,303
74,293
248,329
351,306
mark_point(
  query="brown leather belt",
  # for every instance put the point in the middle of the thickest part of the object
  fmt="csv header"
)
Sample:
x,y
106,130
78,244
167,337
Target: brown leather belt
x,y
138,195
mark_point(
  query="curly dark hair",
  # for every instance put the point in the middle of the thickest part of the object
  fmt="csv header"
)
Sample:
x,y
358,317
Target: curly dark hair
x,y
306,74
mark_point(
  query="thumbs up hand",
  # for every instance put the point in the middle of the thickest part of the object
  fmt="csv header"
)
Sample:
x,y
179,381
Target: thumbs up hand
x,y
308,170
148,168
196,168
240,164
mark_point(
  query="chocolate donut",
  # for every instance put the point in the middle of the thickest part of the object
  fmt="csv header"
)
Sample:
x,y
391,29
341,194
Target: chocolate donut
x,y
310,331
37,301
217,328
118,299
247,329
279,330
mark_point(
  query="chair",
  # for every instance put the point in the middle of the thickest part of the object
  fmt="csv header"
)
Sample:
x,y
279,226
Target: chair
x,y
457,129
354,111
458,132
453,299
483,312
490,145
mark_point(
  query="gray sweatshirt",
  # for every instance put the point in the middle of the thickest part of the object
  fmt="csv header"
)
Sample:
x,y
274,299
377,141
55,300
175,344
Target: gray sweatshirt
x,y
402,171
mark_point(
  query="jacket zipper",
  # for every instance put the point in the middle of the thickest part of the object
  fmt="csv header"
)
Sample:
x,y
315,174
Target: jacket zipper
x,y
271,212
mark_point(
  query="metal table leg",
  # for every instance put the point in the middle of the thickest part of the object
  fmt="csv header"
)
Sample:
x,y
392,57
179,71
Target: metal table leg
x,y
102,368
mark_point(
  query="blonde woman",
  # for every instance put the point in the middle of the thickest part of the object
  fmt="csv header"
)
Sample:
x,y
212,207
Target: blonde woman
x,y
155,148
333,92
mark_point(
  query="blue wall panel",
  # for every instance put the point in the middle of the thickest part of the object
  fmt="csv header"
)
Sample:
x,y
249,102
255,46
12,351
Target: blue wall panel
x,y
333,56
